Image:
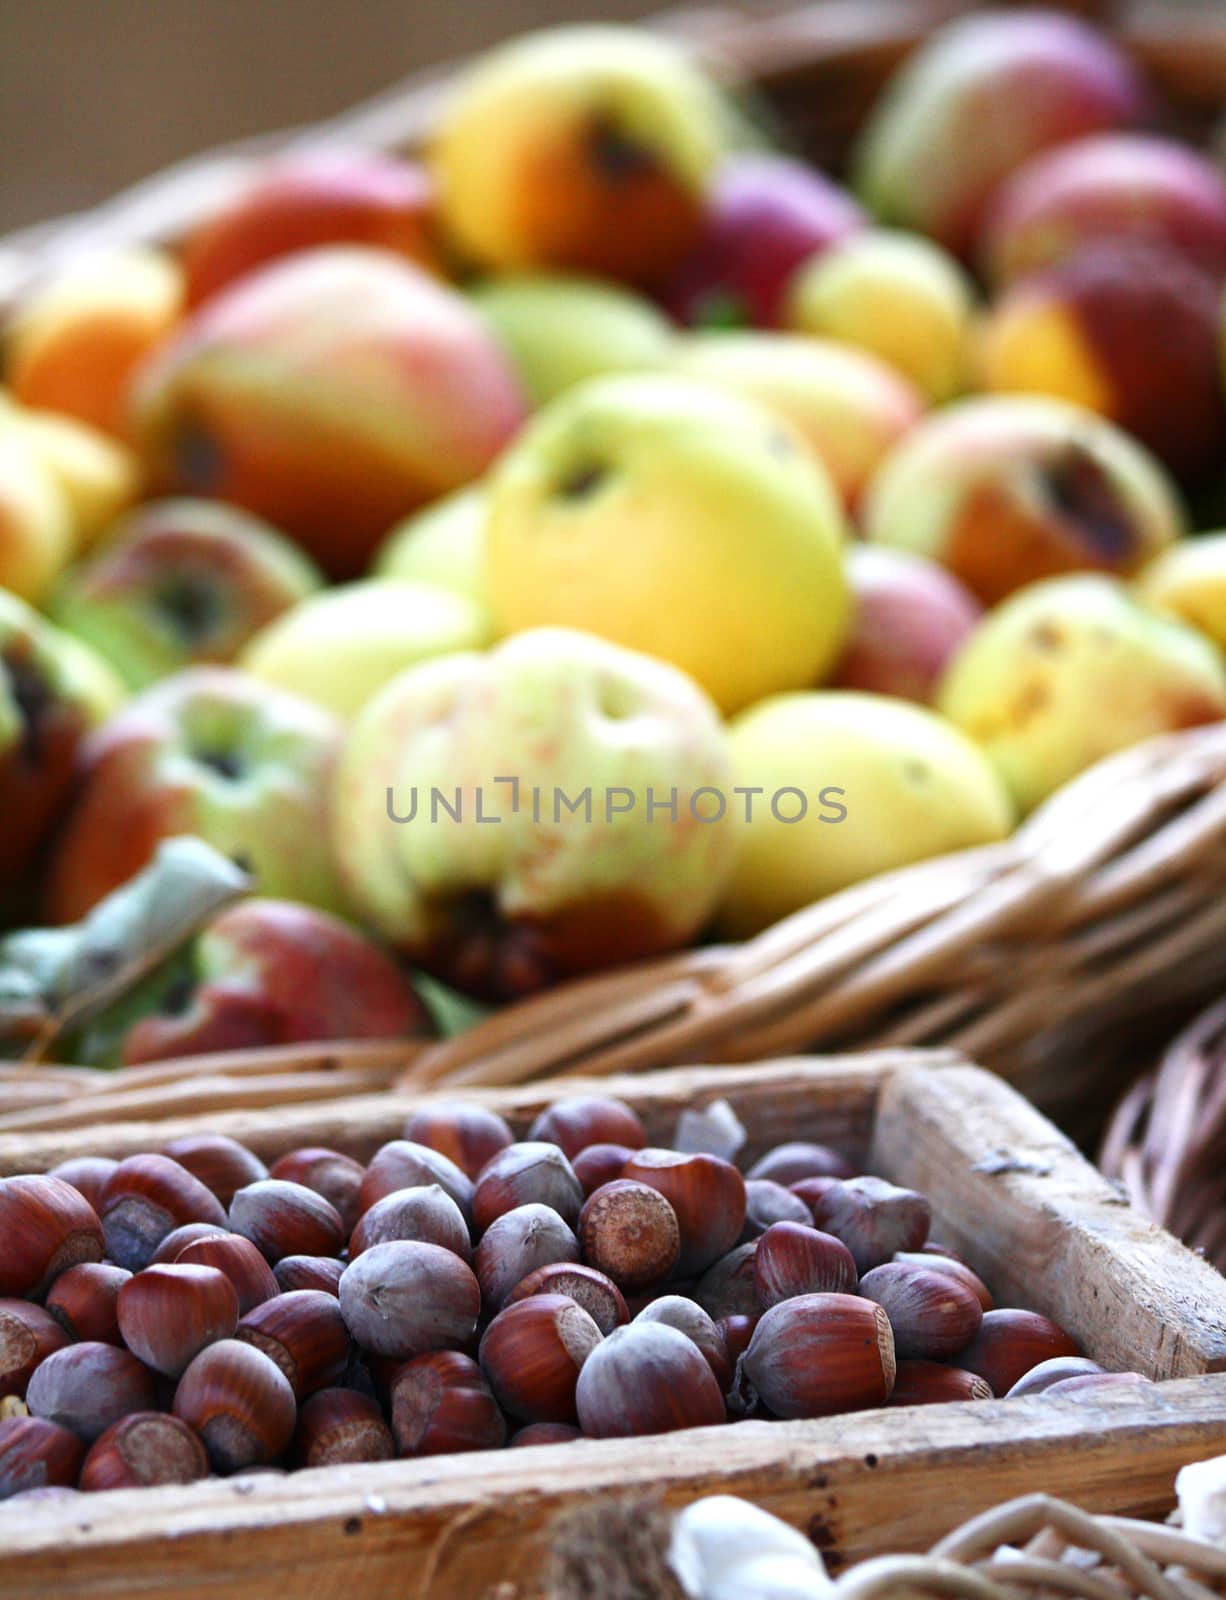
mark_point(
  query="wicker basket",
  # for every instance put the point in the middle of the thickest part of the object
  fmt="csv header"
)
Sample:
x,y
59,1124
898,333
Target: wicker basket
x,y
1055,958
1033,1546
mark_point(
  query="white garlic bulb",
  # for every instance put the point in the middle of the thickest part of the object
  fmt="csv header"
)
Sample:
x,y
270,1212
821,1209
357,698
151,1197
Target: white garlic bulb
x,y
723,1547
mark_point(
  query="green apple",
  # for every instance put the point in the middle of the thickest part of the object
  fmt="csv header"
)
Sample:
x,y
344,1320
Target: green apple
x,y
560,330
443,545
180,583
493,813
1072,670
678,518
846,786
340,647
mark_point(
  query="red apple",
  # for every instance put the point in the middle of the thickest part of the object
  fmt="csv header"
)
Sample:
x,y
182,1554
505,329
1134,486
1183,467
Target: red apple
x,y
311,198
264,972
910,617
209,752
765,216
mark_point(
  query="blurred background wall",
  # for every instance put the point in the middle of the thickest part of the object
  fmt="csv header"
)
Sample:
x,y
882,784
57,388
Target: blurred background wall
x,y
97,93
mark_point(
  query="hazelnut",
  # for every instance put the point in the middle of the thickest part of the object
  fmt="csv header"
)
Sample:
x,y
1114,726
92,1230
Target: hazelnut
x,y
335,1176
168,1314
87,1387
222,1164
142,1451
82,1300
727,1289
929,1383
953,1268
643,1379
1054,1371
873,1218
575,1124
535,1433
767,1202
442,1405
35,1454
178,1239
1010,1344
46,1226
933,1315
817,1355
598,1295
147,1197
305,1334
1091,1384
286,1219
600,1164
532,1355
341,1427
241,1262
404,1298
795,1258
405,1165
629,1231
792,1163
517,1243
688,1317
466,1134
736,1332
240,1403
309,1272
86,1174
28,1335
427,1214
531,1173
708,1196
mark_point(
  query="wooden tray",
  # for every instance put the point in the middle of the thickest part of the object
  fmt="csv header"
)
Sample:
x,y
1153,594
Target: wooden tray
x,y
1008,1190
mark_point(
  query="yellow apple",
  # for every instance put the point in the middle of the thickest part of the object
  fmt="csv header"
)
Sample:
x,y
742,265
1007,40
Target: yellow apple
x,y
845,786
99,476
1188,581
442,545
339,647
675,518
37,537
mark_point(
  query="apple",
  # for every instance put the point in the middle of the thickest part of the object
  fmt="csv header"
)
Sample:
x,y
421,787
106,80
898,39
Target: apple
x,y
52,693
1127,329
1007,489
1072,670
443,545
37,536
559,330
74,342
910,618
332,393
897,295
983,94
1112,186
579,149
677,518
308,198
556,847
849,407
181,583
766,216
1188,581
848,786
340,647
261,973
209,752
99,477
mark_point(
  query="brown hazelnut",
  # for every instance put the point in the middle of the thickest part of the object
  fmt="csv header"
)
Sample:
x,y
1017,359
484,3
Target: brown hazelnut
x,y
305,1334
600,1164
629,1231
147,1197
87,1387
28,1335
335,1176
795,1258
46,1226
532,1354
405,1165
178,1239
792,1163
728,1289
168,1314
954,1268
688,1317
575,1124
929,1383
405,1298
427,1214
240,1403
524,1174
517,1243
817,1355
35,1454
874,1219
341,1427
1010,1344
1054,1371
241,1262
82,1300
767,1202
597,1294
646,1378
86,1174
708,1196
736,1332
142,1451
442,1405
933,1315
286,1219
222,1164
309,1272
537,1433
465,1133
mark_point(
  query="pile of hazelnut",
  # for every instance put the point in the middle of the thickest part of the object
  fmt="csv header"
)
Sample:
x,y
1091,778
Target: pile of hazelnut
x,y
191,1312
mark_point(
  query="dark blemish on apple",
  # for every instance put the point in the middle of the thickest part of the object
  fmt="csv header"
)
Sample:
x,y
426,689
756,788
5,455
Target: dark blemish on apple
x,y
1079,489
615,156
916,772
198,458
583,483
225,763
177,996
1046,638
191,605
